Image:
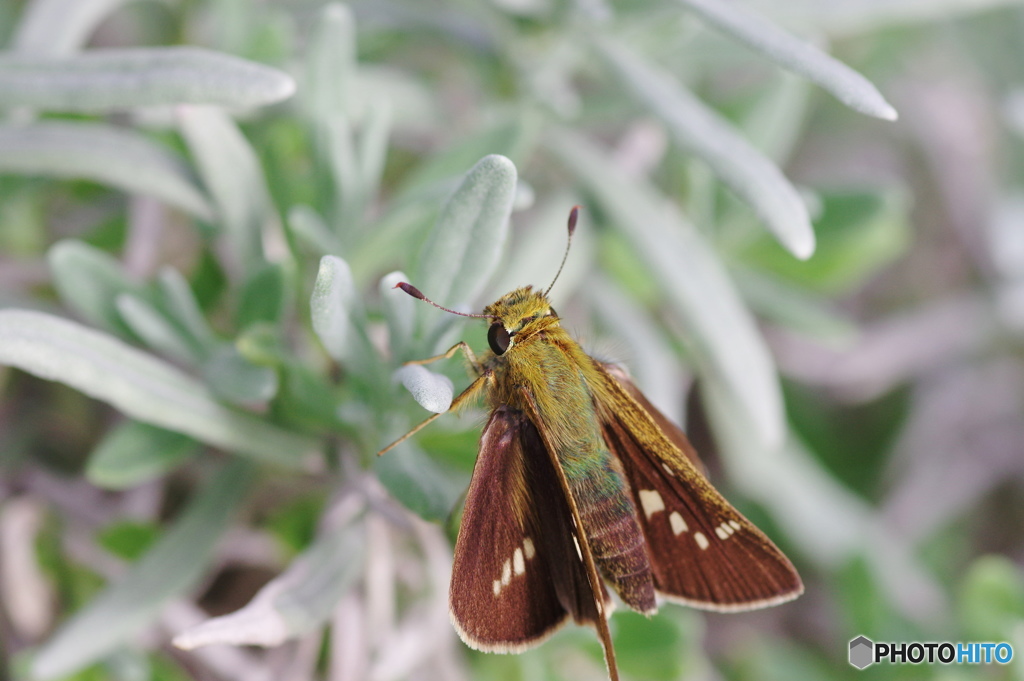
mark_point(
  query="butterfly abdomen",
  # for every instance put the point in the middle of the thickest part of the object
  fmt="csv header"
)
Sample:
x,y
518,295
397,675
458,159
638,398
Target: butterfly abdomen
x,y
613,531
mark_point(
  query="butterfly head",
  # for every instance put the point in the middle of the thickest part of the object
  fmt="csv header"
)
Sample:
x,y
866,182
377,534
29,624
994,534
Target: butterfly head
x,y
516,316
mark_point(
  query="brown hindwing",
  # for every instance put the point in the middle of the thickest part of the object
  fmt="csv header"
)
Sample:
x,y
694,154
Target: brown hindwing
x,y
702,551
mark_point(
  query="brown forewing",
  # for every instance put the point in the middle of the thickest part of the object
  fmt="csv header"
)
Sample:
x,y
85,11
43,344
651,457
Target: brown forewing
x,y
516,575
702,551
673,432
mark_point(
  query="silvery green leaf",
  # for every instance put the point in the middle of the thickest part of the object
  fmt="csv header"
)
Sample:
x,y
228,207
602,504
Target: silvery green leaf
x,y
134,453
158,332
140,385
793,307
400,313
307,225
373,147
99,81
414,103
89,281
511,138
703,132
329,84
650,361
1013,111
423,485
294,603
264,296
1005,236
182,303
234,379
725,340
333,305
414,207
851,17
102,153
168,570
231,172
848,86
339,138
432,391
59,27
538,249
463,250
775,123
394,234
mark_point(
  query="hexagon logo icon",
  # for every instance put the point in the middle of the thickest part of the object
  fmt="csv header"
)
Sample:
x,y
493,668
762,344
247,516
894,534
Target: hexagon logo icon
x,y
862,652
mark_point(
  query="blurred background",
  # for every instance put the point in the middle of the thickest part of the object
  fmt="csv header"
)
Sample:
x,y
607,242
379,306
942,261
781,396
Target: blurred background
x,y
204,205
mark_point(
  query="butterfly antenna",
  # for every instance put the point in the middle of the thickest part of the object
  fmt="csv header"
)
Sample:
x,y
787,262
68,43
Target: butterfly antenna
x,y
574,215
416,293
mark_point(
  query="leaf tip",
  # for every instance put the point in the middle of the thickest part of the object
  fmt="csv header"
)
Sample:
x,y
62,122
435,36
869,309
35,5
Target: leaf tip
x,y
803,248
889,113
433,392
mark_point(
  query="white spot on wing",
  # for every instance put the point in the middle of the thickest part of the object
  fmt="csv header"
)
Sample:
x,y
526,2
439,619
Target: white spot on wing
x,y
518,564
528,548
506,573
701,540
497,587
577,543
651,502
668,470
678,524
720,531
735,525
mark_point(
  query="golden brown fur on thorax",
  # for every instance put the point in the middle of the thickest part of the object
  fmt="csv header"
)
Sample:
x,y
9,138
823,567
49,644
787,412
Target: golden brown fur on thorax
x,y
542,358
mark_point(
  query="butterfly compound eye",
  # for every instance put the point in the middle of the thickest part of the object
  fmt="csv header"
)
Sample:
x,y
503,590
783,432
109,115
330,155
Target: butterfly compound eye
x,y
497,338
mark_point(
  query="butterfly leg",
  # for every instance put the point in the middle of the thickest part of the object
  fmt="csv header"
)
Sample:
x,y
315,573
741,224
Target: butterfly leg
x,y
469,393
461,345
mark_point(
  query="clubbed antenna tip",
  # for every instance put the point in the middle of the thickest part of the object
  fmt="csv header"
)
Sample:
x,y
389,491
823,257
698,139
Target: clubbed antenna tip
x,y
416,293
411,290
574,215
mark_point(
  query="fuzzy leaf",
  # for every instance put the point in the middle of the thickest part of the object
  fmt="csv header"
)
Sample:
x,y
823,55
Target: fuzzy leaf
x,y
294,603
59,27
99,81
848,86
423,485
431,390
231,171
463,250
156,330
182,304
236,380
134,453
703,132
118,157
333,305
140,385
331,64
89,282
400,313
